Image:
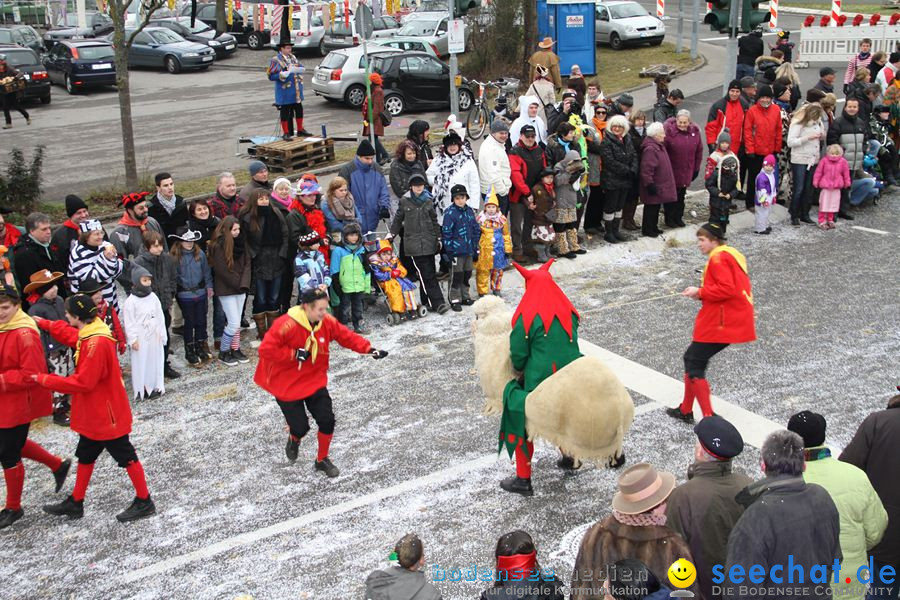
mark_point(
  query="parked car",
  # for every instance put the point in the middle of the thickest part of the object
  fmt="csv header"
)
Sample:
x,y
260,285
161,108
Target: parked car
x,y
26,60
432,9
161,47
21,35
243,32
339,35
81,64
417,81
223,45
409,43
98,25
621,23
341,76
303,40
431,30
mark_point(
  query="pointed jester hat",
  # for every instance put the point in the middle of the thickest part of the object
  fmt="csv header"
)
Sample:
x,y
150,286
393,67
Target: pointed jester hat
x,y
543,298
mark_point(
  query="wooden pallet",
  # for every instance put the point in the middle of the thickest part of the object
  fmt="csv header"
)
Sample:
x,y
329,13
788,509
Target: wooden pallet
x,y
295,155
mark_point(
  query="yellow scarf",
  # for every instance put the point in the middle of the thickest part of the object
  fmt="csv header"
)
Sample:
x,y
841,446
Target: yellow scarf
x,y
19,320
312,342
741,260
92,329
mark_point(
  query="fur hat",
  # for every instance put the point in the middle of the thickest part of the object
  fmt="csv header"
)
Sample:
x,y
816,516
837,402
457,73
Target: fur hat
x,y
74,204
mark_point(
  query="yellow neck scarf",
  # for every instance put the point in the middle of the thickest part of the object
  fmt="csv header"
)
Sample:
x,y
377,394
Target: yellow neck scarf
x,y
312,342
19,320
740,258
92,329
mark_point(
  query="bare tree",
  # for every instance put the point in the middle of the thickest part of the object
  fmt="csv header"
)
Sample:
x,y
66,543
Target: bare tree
x,y
529,35
221,24
122,41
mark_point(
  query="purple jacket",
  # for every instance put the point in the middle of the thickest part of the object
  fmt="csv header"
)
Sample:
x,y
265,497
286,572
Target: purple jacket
x,y
685,150
656,170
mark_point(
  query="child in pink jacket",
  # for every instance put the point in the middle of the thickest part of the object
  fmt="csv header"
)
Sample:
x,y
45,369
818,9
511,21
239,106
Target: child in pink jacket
x,y
832,175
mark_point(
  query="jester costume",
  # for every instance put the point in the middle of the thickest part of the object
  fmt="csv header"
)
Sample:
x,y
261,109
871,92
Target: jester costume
x,y
286,71
494,248
391,276
544,339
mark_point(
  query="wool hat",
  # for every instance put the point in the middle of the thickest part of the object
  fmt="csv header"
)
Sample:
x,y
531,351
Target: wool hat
x,y
417,179
137,271
74,204
724,136
769,160
89,286
458,190
764,91
90,225
186,234
42,279
450,139
129,200
82,307
641,487
528,130
308,238
256,167
747,82
625,100
308,187
499,126
719,438
778,89
734,85
729,162
281,180
365,149
810,426
714,230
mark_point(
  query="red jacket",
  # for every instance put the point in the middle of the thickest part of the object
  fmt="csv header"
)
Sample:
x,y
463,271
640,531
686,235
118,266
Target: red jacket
x,y
279,373
519,170
21,400
100,409
726,316
725,113
11,235
762,130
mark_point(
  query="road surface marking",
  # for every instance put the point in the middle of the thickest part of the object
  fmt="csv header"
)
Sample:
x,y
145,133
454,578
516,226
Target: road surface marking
x,y
878,231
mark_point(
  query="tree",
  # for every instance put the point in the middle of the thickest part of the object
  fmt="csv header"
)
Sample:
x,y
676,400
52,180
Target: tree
x,y
221,24
122,41
20,188
529,35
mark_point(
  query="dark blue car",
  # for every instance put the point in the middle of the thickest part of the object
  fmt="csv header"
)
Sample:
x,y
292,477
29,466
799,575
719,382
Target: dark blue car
x,y
79,65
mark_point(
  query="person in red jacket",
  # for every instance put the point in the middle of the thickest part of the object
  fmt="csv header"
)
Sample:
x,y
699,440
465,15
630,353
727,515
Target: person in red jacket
x,y
762,136
293,367
21,402
727,113
725,317
100,413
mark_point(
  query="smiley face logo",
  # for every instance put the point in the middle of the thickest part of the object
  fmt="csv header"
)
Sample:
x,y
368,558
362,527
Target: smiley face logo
x,y
682,573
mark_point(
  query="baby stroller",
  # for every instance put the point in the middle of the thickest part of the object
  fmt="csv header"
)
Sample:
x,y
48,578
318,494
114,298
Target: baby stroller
x,y
390,274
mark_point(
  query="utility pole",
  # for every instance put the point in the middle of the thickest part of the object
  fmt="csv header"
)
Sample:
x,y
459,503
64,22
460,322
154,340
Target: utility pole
x,y
731,51
679,45
695,28
454,65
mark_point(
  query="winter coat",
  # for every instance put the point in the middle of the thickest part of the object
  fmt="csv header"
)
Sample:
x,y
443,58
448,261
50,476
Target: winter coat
x,y
656,171
164,270
722,182
29,258
548,60
726,114
766,189
703,511
525,169
128,241
397,583
465,173
288,86
537,585
268,262
251,186
193,276
833,173
762,130
750,47
369,190
229,281
278,371
851,133
765,67
169,223
348,269
52,310
460,232
400,173
664,110
609,541
22,355
874,449
221,207
862,515
592,139
544,203
417,218
784,516
685,150
563,180
65,236
726,315
310,270
620,165
804,151
87,261
377,109
205,228
332,222
557,148
493,167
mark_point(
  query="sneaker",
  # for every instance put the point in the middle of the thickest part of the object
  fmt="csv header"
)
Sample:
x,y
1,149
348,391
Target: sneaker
x,y
443,308
9,516
456,306
240,356
518,485
327,466
67,508
676,413
138,509
228,359
153,395
467,302
61,473
170,373
292,448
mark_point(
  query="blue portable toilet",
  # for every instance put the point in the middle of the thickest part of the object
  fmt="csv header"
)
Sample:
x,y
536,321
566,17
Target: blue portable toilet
x,y
571,25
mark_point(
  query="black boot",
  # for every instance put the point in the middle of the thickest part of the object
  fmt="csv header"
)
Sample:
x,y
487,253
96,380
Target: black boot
x,y
518,485
610,236
616,223
9,516
67,508
169,372
292,449
676,413
138,509
203,351
568,463
61,473
190,354
327,466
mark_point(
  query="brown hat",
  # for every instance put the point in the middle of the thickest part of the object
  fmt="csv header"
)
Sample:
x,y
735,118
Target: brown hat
x,y
41,279
546,43
641,487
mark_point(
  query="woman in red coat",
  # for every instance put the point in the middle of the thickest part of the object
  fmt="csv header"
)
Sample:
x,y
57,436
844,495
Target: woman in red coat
x,y
21,402
293,367
381,155
100,413
725,317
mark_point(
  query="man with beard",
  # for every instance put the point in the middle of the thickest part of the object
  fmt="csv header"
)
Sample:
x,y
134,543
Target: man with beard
x,y
127,237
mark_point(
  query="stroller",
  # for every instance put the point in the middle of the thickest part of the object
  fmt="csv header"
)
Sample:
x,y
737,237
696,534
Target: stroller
x,y
390,274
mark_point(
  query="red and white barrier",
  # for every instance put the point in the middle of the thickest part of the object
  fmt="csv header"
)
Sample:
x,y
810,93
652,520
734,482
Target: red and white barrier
x,y
827,43
660,8
773,14
835,12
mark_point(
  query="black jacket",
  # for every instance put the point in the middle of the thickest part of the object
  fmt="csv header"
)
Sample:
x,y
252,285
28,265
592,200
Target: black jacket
x,y
663,111
534,161
29,257
620,164
418,222
750,47
851,133
169,223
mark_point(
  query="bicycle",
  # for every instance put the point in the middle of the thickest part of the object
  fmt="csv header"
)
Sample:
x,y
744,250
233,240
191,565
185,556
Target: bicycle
x,y
480,118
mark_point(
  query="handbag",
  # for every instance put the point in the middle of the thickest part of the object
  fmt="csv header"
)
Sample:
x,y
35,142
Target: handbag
x,y
385,118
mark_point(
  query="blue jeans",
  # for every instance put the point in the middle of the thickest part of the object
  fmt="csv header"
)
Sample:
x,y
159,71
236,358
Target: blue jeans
x,y
861,190
879,590
194,312
266,297
802,176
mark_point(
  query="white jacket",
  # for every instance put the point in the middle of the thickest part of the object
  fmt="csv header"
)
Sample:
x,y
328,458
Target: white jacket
x,y
804,151
467,176
493,167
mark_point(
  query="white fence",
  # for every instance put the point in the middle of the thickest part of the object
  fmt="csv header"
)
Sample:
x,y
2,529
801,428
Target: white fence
x,y
839,44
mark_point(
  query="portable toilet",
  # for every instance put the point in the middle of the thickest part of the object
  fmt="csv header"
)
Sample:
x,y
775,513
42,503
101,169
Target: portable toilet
x,y
571,25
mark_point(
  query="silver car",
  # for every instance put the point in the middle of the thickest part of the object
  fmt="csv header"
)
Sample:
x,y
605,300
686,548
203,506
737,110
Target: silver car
x,y
621,23
341,76
431,30
313,40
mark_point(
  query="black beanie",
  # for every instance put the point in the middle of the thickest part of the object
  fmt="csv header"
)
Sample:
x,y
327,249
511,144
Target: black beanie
x,y
810,426
74,204
735,84
81,306
365,149
764,91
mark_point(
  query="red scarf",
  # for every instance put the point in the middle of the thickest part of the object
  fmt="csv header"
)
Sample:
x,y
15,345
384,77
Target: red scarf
x,y
517,567
128,221
551,189
68,223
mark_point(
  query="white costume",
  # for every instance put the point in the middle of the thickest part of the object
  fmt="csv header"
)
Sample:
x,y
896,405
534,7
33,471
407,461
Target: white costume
x,y
524,119
142,318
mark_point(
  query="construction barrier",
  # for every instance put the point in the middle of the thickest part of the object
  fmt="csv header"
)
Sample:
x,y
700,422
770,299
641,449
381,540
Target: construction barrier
x,y
835,12
660,8
773,14
837,44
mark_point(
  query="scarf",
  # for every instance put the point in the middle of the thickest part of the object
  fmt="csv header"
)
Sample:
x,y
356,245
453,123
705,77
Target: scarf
x,y
41,244
343,210
270,232
811,454
285,202
68,223
497,220
741,261
93,329
128,221
18,321
140,290
312,342
449,166
600,126
517,567
641,520
168,204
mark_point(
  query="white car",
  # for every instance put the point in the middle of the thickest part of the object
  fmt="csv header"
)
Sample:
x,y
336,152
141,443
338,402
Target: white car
x,y
621,23
431,30
341,76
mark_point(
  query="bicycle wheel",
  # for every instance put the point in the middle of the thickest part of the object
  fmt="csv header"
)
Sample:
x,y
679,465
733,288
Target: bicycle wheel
x,y
477,122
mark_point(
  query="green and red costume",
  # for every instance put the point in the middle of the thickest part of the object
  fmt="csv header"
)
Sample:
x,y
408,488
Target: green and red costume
x,y
544,339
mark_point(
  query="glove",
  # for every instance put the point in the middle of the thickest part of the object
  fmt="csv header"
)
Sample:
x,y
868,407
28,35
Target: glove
x,y
384,213
652,189
378,354
301,355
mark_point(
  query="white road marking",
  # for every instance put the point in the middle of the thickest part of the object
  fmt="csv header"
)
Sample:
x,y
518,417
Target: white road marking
x,y
661,389
878,231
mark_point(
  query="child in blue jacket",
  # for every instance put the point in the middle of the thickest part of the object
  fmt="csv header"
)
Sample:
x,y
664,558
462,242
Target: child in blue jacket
x,y
350,276
460,236
309,265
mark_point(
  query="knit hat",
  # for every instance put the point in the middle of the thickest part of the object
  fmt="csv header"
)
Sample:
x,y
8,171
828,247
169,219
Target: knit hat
x,y
137,288
729,162
90,225
747,82
417,179
734,85
257,167
810,426
713,230
74,204
778,89
280,181
308,238
769,160
625,100
365,149
764,91
499,126
129,200
82,307
724,136
458,190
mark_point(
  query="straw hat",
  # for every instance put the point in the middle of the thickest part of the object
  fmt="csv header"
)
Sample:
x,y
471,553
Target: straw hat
x,y
641,487
546,43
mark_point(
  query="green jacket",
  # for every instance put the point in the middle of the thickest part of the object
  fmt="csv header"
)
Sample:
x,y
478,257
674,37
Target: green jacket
x,y
348,270
863,518
539,355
